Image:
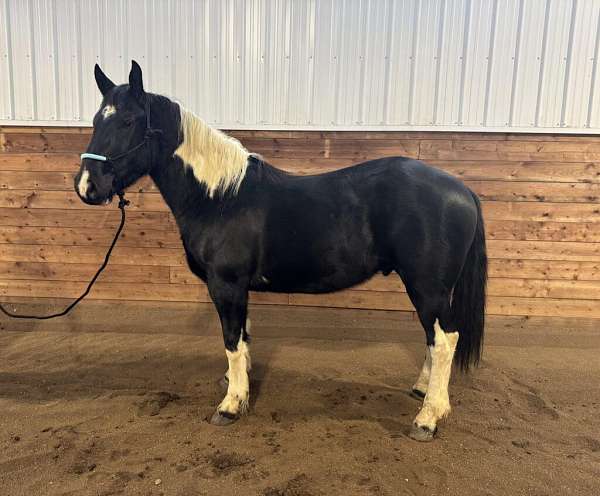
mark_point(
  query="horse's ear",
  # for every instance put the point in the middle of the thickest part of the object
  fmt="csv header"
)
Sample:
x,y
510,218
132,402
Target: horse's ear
x,y
104,84
136,86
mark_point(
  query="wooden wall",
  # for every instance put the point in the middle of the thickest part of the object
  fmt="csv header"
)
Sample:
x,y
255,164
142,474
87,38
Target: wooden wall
x,y
541,200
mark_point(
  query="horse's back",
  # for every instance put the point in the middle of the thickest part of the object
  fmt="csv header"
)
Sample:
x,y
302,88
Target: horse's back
x,y
399,196
398,178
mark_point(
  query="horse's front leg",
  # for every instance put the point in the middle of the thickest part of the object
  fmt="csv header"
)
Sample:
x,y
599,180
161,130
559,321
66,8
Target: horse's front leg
x,y
232,305
224,381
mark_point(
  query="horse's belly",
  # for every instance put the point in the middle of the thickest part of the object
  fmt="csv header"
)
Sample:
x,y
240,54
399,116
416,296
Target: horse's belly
x,y
315,277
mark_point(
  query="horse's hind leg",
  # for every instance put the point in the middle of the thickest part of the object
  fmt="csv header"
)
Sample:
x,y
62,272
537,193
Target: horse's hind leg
x,y
437,403
433,308
419,389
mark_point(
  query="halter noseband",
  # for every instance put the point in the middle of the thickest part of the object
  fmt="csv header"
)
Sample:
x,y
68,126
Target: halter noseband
x,y
149,134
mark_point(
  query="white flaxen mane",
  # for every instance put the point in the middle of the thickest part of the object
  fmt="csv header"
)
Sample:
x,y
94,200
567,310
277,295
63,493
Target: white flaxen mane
x,y
217,160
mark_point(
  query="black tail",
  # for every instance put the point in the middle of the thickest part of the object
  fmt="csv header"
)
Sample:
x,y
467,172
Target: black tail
x,y
468,300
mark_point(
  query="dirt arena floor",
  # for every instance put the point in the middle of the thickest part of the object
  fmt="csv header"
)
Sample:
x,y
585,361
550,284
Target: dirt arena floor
x,y
114,400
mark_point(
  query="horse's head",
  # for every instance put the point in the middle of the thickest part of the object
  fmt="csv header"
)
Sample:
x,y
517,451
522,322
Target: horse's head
x,y
119,152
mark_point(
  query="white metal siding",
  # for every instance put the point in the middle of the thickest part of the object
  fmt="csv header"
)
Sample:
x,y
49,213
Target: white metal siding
x,y
507,65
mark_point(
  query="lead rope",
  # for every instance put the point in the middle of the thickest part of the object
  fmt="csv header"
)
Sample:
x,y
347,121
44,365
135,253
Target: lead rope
x,y
122,204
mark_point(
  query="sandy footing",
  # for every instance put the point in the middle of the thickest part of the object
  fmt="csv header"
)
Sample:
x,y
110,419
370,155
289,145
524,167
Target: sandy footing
x,y
114,400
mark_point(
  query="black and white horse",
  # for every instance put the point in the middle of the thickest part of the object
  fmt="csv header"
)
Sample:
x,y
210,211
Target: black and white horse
x,y
246,225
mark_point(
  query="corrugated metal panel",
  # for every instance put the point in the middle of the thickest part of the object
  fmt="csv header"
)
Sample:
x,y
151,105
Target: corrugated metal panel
x,y
579,80
513,65
529,53
6,78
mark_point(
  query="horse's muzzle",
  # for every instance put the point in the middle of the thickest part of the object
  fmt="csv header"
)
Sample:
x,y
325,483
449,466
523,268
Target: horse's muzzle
x,y
93,189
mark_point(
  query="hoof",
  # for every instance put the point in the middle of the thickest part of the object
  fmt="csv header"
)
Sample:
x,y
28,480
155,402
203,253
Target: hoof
x,y
417,393
223,418
224,383
422,434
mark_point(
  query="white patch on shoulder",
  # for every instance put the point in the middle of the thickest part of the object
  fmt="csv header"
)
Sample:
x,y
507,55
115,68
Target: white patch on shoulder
x,y
108,111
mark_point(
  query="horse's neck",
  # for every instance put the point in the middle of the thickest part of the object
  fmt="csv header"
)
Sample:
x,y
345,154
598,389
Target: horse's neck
x,y
179,189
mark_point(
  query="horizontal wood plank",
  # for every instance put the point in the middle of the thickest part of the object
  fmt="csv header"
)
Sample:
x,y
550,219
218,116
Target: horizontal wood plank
x,y
46,129
123,255
56,181
513,145
543,269
543,307
100,218
544,288
104,290
150,202
66,236
542,231
527,191
54,271
544,250
435,151
541,212
568,172
40,162
45,142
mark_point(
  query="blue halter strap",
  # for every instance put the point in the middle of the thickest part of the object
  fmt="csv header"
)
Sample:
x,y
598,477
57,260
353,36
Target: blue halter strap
x,y
93,156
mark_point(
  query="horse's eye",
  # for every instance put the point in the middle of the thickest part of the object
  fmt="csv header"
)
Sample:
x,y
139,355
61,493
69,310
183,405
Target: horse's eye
x,y
128,121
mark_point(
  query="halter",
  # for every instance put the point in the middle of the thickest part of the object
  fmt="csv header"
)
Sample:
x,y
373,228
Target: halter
x,y
148,135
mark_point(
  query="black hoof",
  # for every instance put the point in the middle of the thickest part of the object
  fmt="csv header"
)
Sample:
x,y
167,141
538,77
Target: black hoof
x,y
422,434
418,394
222,419
224,383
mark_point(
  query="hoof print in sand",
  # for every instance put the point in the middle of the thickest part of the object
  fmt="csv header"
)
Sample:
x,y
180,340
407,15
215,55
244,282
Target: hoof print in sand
x,y
155,403
589,443
298,486
223,463
80,468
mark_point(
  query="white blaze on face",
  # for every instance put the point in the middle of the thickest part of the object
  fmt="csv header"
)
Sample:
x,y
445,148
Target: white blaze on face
x,y
108,111
83,183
